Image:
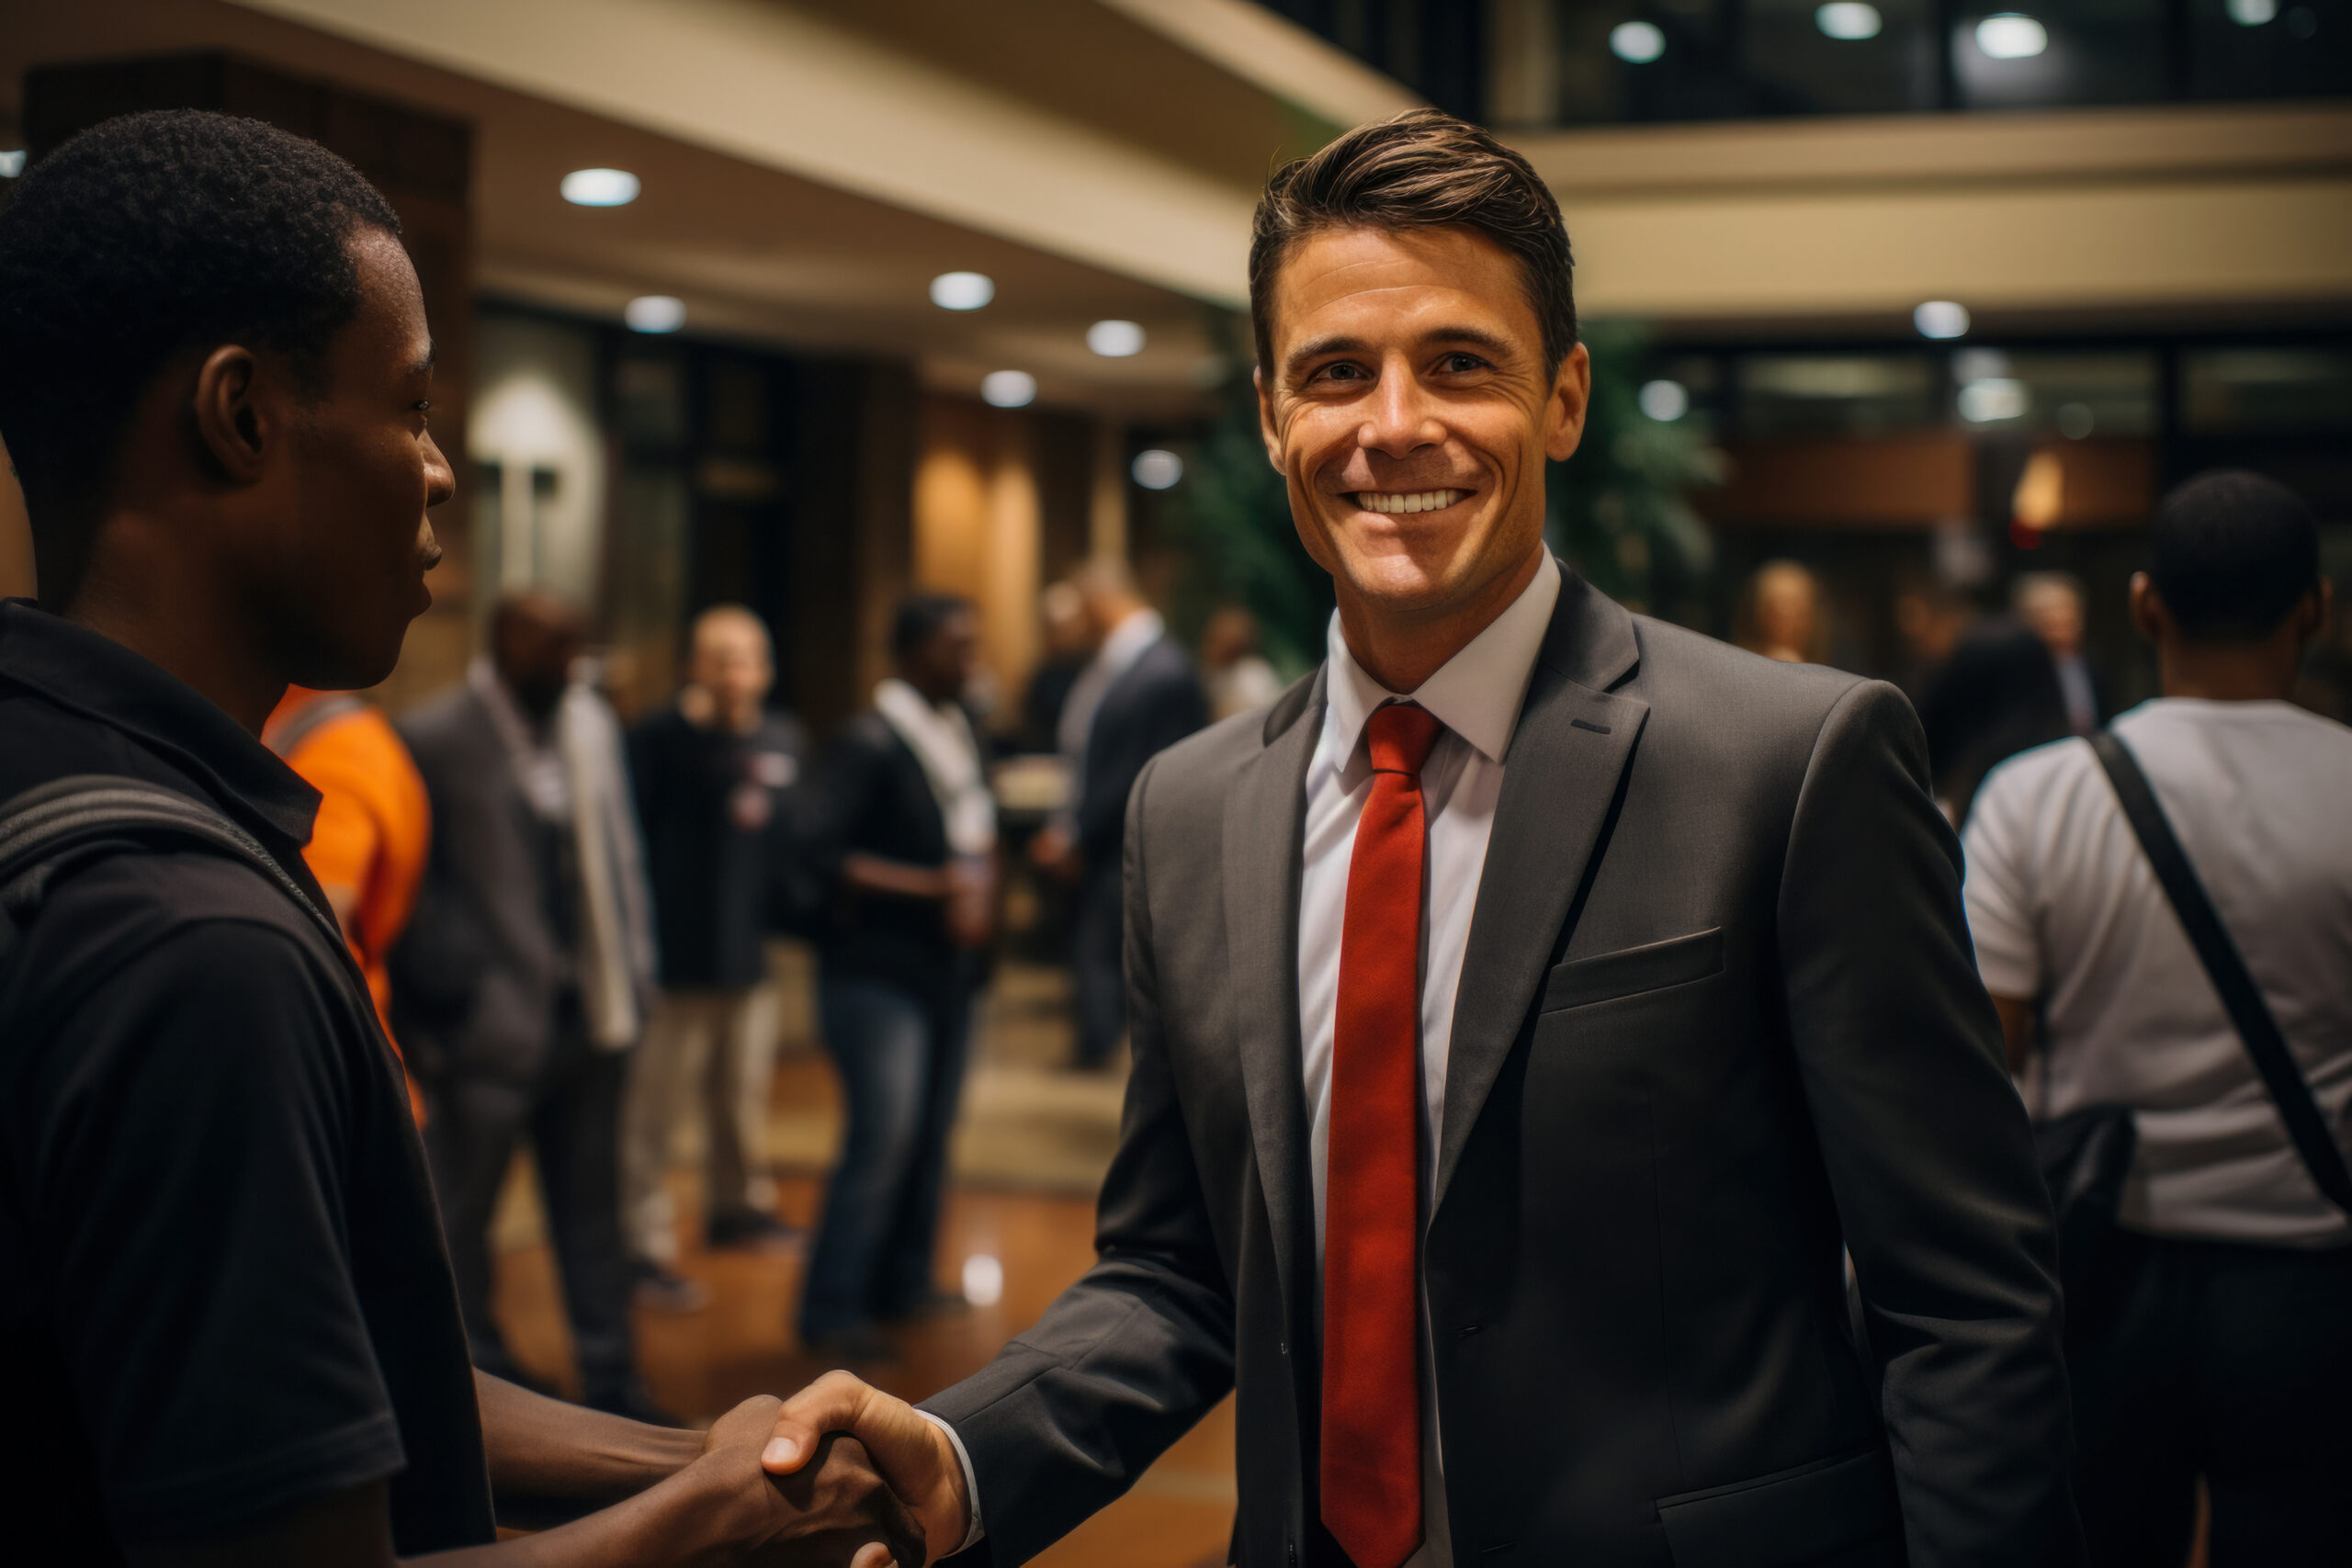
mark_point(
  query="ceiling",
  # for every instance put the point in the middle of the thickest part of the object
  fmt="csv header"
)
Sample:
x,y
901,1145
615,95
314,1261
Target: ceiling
x,y
765,253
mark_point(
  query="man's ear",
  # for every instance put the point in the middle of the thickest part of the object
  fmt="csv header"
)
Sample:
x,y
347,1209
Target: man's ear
x,y
1563,413
1266,431
237,420
2150,616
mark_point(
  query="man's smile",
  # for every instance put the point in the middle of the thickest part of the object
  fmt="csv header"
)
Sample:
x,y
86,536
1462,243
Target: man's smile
x,y
1397,502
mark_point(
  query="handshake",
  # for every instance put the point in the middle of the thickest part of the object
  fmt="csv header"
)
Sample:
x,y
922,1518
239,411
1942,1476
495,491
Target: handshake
x,y
852,1476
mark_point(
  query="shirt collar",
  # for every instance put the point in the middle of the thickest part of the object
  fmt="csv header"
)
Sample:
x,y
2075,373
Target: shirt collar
x,y
1127,641
102,680
1476,693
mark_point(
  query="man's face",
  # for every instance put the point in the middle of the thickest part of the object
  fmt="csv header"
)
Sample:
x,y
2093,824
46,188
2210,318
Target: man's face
x,y
942,666
1409,409
731,662
534,639
342,556
2055,613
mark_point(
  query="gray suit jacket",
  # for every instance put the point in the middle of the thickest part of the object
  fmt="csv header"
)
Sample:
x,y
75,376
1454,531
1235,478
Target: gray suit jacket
x,y
1719,1014
475,976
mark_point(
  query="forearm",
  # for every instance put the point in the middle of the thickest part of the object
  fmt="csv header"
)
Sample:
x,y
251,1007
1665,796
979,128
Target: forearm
x,y
895,879
690,1517
552,1459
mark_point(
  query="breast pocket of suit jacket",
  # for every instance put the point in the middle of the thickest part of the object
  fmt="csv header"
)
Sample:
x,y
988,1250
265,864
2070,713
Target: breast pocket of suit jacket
x,y
1634,971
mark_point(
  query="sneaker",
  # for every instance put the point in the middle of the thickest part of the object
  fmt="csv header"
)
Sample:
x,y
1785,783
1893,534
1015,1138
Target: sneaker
x,y
666,1290
750,1230
858,1346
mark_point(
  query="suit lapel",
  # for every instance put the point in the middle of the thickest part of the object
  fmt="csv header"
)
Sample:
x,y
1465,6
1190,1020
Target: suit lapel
x,y
1571,746
1264,822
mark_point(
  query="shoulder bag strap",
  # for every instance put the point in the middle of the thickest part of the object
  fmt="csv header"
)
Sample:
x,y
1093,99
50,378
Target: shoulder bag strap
x,y
41,829
2240,995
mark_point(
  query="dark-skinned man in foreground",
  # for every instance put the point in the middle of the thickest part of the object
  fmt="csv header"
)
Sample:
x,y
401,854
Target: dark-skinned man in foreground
x,y
232,1337
1529,1010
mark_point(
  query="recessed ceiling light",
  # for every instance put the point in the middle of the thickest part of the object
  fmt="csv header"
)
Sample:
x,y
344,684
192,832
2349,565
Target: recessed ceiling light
x,y
1115,340
1993,399
1940,319
1155,470
2249,14
1848,19
1636,43
600,187
1008,388
12,163
2010,36
654,313
961,290
1665,402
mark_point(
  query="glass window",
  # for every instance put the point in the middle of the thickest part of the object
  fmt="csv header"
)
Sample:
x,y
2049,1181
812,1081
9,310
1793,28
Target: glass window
x,y
2070,394
2059,52
1842,56
2270,49
1846,394
2265,391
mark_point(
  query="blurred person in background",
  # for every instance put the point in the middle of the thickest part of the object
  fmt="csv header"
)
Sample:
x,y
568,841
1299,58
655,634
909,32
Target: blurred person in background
x,y
1782,614
369,844
903,831
1136,697
1998,695
717,773
1931,618
2051,604
233,1336
1069,645
529,963
1236,674
2213,1339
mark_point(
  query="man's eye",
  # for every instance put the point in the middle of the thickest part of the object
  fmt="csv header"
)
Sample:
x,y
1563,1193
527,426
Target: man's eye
x,y
1342,371
1461,363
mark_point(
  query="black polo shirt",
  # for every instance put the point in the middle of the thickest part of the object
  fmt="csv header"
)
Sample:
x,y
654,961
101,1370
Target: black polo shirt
x,y
718,811
223,1291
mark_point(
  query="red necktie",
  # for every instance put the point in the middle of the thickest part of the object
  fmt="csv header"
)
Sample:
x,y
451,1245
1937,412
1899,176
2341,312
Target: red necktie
x,y
1372,1395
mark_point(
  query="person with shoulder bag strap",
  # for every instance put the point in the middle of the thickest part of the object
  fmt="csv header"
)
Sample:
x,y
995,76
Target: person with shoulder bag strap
x,y
2168,908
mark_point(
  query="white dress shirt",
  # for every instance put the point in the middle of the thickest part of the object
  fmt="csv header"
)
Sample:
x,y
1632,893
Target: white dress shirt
x,y
1476,696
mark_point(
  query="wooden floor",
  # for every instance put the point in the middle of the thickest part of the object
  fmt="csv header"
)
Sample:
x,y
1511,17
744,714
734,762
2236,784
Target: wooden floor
x,y
699,1364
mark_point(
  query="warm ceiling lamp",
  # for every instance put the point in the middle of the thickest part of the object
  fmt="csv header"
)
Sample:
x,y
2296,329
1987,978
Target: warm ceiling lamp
x,y
600,187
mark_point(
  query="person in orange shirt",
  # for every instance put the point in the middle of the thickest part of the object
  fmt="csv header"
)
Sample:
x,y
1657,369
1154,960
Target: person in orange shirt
x,y
374,825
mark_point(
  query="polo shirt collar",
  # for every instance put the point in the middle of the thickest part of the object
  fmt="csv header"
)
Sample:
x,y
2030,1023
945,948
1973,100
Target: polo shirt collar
x,y
1476,693
102,680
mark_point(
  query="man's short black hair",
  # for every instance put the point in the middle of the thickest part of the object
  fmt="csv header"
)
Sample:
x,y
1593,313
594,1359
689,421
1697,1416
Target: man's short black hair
x,y
2232,553
919,618
137,240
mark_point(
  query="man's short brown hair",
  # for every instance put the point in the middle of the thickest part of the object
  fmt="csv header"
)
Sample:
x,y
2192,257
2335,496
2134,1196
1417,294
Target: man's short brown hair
x,y
1422,169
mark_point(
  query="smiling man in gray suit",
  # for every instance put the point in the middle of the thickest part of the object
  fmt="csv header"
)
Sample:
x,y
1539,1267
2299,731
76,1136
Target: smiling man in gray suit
x,y
1525,1010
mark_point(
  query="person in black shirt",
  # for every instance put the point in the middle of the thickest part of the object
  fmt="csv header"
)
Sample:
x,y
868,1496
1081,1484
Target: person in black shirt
x,y
904,834
717,775
231,1334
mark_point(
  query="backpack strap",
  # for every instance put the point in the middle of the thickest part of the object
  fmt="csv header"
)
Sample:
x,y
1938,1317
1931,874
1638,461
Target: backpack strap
x,y
45,830
308,720
2241,998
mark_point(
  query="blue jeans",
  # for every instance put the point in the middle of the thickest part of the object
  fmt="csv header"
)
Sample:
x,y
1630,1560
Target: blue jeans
x,y
901,1061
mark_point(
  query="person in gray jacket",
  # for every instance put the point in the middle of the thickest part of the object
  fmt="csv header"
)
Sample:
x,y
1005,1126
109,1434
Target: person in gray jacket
x,y
526,971
1530,1013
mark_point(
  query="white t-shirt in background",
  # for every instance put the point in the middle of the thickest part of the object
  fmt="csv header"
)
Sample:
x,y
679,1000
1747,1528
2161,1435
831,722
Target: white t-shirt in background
x,y
2064,907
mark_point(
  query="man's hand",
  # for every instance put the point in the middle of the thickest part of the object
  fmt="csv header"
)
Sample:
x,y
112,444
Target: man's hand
x,y
914,1456
835,1510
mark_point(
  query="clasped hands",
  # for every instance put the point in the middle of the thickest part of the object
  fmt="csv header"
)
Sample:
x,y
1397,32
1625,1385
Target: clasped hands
x,y
819,1446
